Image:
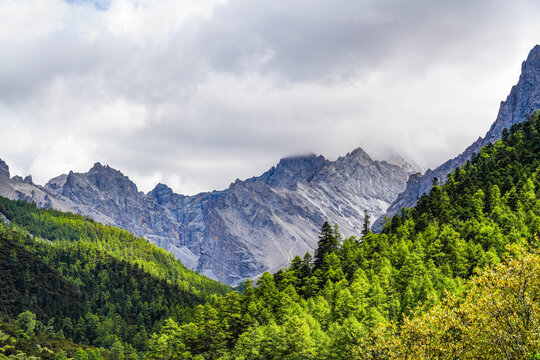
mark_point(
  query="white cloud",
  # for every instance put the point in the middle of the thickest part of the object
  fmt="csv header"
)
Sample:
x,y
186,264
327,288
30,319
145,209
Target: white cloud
x,y
198,93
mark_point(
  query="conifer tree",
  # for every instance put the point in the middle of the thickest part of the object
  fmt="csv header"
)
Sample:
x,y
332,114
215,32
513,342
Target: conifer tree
x,y
366,229
328,242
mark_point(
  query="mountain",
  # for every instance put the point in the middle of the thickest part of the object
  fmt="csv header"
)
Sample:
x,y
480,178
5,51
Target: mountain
x,y
523,100
255,225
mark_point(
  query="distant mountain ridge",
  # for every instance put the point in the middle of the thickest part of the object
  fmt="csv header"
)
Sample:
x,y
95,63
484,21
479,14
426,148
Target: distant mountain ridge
x,y
523,100
255,225
260,223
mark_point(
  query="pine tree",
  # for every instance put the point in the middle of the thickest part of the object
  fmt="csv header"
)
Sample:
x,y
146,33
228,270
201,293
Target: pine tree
x,y
305,269
366,229
328,242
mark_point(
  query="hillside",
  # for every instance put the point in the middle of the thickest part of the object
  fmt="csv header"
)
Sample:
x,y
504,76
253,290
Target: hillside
x,y
89,283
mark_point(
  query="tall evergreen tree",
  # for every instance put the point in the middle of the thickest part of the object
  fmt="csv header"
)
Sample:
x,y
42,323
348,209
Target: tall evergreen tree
x,y
328,242
366,228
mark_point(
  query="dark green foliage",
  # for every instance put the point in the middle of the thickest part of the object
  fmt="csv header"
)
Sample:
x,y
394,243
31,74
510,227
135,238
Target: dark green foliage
x,y
89,297
328,242
40,345
28,283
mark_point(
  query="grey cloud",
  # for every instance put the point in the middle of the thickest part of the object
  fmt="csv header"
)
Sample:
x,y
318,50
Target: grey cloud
x,y
325,40
227,95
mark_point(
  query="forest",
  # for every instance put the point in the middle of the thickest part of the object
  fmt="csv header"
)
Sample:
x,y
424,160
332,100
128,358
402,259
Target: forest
x,y
456,277
89,284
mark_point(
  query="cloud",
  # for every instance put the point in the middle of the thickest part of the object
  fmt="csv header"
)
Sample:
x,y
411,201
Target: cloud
x,y
197,94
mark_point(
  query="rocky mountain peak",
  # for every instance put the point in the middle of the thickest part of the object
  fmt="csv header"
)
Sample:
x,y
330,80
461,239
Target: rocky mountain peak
x,y
4,169
291,170
98,167
523,100
300,165
359,153
103,169
533,59
356,157
56,183
161,193
107,179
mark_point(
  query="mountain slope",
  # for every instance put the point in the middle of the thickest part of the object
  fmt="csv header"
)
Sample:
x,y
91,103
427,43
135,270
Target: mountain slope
x,y
255,225
523,100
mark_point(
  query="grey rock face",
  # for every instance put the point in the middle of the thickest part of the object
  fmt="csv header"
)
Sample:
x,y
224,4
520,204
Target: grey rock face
x,y
110,193
523,100
4,169
17,189
290,171
253,226
262,223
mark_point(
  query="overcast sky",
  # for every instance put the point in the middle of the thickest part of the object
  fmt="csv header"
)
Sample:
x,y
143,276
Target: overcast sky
x,y
197,93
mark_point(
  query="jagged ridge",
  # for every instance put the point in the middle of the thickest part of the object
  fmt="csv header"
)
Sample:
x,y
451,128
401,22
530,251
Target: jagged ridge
x,y
255,225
